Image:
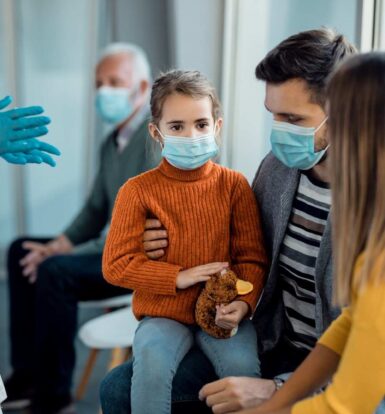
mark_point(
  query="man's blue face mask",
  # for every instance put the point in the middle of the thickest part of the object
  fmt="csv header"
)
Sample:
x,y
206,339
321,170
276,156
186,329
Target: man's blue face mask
x,y
114,105
189,153
293,145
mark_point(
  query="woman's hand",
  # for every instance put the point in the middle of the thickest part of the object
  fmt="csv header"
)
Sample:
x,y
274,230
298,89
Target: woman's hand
x,y
194,275
229,316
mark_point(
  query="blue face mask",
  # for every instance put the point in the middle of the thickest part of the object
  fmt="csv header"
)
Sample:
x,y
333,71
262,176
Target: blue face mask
x,y
293,145
188,153
114,105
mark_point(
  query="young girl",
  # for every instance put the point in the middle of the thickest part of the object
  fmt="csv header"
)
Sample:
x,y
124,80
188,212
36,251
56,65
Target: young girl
x,y
351,351
212,220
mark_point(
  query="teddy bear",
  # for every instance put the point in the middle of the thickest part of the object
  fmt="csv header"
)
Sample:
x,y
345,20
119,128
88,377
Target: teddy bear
x,y
221,288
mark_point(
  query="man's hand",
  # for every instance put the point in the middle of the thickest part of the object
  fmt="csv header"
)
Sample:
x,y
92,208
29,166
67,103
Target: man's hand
x,y
154,239
235,393
229,316
190,277
38,252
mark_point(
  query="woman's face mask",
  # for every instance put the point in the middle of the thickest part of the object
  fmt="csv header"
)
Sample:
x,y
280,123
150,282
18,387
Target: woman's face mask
x,y
189,153
114,105
293,145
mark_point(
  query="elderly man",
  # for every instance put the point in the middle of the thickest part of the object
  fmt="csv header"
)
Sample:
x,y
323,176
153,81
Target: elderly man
x,y
47,278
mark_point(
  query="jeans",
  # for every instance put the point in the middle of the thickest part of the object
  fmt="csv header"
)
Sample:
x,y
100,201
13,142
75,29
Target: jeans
x,y
43,316
159,346
192,374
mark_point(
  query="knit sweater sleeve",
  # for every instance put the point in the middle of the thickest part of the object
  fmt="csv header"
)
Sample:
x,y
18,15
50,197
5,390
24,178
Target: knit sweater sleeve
x,y
124,261
248,255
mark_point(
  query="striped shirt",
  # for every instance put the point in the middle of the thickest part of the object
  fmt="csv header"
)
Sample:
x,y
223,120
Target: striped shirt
x,y
298,258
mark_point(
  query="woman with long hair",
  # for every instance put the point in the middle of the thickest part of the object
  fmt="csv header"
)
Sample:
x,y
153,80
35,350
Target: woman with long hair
x,y
350,356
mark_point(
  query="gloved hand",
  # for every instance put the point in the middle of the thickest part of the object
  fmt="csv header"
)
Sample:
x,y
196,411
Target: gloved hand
x,y
36,156
18,131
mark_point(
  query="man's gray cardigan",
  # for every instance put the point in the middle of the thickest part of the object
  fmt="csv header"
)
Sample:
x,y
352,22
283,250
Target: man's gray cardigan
x,y
275,187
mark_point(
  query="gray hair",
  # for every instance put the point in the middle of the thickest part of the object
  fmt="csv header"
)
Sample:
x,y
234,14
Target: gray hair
x,y
141,65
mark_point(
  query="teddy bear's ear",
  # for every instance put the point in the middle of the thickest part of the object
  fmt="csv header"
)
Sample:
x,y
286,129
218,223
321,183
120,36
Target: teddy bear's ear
x,y
243,287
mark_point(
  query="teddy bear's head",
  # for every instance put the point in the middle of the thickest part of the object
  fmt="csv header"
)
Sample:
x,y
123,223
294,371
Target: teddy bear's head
x,y
222,288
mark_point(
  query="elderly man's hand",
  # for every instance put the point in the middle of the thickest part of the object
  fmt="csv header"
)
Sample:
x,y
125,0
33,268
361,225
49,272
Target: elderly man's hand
x,y
38,252
235,393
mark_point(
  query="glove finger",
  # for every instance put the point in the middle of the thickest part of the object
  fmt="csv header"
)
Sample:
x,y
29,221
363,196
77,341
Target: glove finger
x,y
44,146
35,121
33,158
30,133
47,159
5,102
14,159
17,113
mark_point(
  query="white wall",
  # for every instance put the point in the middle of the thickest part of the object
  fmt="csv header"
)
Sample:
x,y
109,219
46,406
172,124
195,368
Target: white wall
x,y
196,33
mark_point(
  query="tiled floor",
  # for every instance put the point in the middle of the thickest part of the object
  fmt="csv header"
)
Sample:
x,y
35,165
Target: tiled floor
x,y
90,403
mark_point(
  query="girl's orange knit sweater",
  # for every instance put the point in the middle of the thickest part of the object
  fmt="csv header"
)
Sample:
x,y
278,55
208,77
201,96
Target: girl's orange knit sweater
x,y
210,215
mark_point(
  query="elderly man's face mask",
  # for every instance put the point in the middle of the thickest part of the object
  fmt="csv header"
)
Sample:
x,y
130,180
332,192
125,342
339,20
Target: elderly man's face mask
x,y
114,105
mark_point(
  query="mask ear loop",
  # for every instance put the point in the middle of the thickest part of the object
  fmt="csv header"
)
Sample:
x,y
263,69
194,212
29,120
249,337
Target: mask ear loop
x,y
321,124
318,128
160,142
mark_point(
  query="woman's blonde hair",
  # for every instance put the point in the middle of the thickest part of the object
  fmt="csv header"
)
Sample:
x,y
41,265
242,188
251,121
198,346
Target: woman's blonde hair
x,y
356,98
185,82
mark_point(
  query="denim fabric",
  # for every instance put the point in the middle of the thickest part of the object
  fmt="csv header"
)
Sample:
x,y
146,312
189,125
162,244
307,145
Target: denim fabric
x,y
160,345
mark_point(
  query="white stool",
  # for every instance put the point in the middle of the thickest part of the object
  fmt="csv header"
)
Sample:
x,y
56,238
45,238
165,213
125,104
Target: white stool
x,y
114,331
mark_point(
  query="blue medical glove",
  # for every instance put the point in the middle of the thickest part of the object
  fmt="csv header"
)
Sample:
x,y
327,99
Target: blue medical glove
x,y
18,131
35,156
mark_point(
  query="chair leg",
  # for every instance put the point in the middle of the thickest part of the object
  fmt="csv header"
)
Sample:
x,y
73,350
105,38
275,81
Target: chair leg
x,y
86,373
118,356
127,354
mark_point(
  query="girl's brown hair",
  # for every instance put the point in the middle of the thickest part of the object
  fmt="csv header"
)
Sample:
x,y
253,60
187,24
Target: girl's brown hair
x,y
190,83
356,97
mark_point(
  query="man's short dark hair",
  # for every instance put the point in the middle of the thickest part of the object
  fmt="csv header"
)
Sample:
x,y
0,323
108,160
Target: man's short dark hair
x,y
311,56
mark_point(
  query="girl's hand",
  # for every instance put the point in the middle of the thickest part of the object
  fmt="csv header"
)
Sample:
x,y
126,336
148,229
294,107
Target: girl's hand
x,y
190,277
229,316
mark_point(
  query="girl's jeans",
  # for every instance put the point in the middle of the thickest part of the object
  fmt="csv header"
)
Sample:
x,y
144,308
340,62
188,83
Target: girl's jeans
x,y
159,346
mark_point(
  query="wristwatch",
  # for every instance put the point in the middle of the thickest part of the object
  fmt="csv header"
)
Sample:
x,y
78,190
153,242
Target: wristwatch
x,y
278,383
